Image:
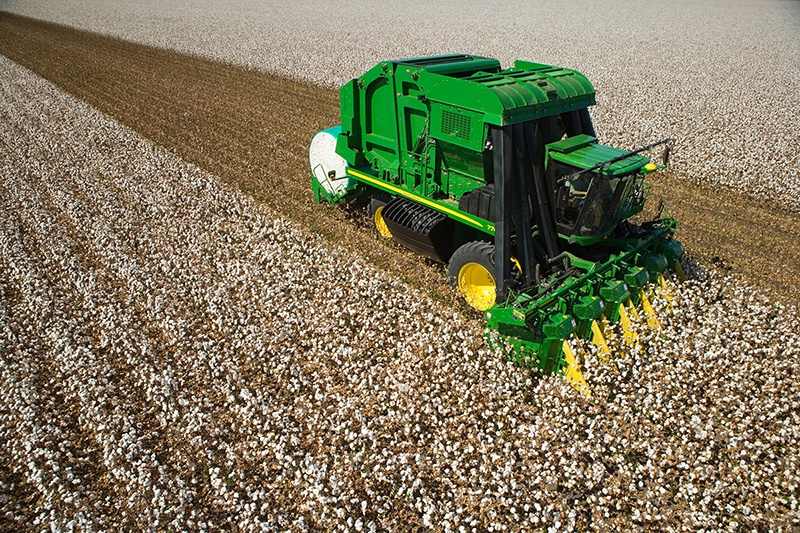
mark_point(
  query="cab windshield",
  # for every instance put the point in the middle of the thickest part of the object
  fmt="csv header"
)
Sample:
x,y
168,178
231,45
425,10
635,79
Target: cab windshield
x,y
589,204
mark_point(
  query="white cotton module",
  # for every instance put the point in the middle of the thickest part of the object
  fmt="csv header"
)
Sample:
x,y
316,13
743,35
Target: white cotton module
x,y
328,166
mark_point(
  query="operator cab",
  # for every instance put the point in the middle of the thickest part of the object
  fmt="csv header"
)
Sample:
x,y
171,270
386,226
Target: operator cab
x,y
590,197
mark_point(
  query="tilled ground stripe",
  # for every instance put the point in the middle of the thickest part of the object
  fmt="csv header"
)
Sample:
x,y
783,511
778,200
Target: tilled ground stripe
x,y
249,128
252,129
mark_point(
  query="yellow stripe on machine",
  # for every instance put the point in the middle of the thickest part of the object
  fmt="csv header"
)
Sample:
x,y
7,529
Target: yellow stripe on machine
x,y
382,184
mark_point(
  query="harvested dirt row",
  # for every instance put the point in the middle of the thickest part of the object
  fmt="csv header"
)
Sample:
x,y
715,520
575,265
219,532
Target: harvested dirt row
x,y
249,128
252,129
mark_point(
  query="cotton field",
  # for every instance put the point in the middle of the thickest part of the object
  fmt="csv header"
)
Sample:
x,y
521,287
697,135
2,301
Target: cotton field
x,y
178,357
720,77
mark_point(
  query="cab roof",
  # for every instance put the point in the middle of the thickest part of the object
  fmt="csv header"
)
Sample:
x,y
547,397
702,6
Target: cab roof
x,y
582,151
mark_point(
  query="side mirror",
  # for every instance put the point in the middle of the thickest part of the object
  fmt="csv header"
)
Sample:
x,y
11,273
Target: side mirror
x,y
665,156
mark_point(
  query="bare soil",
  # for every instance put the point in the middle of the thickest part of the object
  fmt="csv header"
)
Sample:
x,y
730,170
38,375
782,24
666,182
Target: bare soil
x,y
252,129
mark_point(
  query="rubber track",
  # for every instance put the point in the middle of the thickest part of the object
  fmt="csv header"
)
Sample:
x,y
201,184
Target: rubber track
x,y
252,129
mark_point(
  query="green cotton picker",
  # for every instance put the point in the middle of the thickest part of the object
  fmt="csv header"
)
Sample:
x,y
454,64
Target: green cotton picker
x,y
498,174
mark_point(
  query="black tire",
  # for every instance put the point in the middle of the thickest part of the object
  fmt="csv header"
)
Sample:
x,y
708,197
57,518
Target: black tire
x,y
476,285
374,204
473,252
379,199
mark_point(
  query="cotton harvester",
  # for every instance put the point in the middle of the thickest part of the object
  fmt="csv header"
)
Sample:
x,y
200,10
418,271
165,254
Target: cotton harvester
x,y
499,174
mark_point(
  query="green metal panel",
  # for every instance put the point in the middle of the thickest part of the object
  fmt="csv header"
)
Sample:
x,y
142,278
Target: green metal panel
x,y
413,118
526,92
450,65
571,143
348,145
379,124
472,165
461,127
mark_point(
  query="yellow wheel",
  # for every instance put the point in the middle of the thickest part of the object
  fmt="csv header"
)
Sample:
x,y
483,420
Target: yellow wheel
x,y
477,286
471,269
383,229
